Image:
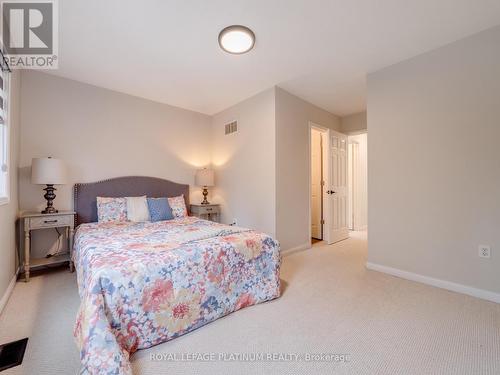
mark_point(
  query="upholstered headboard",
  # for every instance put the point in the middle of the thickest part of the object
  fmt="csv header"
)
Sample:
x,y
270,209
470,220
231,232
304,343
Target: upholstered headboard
x,y
85,195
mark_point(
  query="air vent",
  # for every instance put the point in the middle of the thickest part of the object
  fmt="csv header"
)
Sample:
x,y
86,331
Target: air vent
x,y
231,127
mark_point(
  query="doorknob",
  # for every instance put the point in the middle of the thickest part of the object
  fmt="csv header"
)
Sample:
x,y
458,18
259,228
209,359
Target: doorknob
x,y
330,192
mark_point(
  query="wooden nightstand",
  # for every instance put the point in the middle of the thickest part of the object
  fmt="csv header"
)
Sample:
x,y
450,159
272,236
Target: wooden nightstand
x,y
36,220
206,211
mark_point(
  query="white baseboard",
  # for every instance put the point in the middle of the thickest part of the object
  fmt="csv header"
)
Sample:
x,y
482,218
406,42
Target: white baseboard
x,y
454,287
296,249
8,292
362,228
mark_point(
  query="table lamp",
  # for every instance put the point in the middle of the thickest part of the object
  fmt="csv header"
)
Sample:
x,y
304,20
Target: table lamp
x,y
205,178
48,171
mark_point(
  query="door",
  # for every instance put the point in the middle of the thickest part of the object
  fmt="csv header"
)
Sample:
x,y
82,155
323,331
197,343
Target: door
x,y
316,185
337,188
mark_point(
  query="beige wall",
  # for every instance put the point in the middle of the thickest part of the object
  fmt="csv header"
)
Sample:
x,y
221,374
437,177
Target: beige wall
x,y
263,170
434,163
292,165
8,212
245,163
354,123
102,134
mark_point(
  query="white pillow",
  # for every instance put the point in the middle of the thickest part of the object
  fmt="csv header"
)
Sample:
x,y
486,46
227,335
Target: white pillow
x,y
137,209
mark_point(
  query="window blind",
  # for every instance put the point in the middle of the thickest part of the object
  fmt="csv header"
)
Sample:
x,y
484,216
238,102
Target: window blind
x,y
3,132
2,96
4,129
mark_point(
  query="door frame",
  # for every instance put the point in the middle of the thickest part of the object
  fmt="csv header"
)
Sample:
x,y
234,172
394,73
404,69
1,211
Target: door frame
x,y
353,158
353,194
326,178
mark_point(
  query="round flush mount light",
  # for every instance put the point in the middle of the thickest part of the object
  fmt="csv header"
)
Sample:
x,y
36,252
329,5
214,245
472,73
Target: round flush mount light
x,y
236,39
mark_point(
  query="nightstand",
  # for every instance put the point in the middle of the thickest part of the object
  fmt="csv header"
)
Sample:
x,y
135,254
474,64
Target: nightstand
x,y
206,211
37,220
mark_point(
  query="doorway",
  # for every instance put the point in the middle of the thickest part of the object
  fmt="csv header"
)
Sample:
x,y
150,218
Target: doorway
x,y
357,182
317,183
328,193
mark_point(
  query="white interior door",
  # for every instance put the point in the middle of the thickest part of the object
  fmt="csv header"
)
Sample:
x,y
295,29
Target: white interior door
x,y
316,187
337,192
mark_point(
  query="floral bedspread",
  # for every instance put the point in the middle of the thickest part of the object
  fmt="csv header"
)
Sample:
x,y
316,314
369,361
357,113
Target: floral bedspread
x,y
142,284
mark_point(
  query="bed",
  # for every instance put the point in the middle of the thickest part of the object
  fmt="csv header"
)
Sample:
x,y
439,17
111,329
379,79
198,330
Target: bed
x,y
142,284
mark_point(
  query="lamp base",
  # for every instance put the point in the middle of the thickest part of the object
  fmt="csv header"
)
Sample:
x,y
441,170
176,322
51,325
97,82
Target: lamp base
x,y
205,194
49,196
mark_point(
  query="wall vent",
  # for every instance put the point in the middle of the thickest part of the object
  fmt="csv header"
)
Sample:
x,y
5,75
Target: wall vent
x,y
231,127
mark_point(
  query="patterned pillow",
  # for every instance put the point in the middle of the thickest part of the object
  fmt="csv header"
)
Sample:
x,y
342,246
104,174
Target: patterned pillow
x,y
159,209
178,206
111,209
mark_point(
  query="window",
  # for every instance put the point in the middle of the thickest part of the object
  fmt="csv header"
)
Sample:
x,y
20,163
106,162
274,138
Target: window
x,y
4,137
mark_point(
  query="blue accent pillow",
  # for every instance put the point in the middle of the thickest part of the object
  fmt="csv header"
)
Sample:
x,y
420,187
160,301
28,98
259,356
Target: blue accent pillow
x,y
159,209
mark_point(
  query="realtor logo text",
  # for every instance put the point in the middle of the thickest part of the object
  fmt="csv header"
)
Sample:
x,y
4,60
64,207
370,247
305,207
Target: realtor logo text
x,y
30,34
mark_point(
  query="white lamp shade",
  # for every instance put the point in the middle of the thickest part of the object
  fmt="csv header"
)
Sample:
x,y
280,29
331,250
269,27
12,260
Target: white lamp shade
x,y
204,177
48,171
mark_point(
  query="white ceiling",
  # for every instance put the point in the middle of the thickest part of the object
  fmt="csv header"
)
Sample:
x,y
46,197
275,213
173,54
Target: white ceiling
x,y
321,51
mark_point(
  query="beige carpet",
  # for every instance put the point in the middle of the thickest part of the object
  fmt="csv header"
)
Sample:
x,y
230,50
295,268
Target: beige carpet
x,y
331,304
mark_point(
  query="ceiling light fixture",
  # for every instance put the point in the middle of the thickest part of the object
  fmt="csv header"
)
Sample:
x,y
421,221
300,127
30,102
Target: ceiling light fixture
x,y
236,39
